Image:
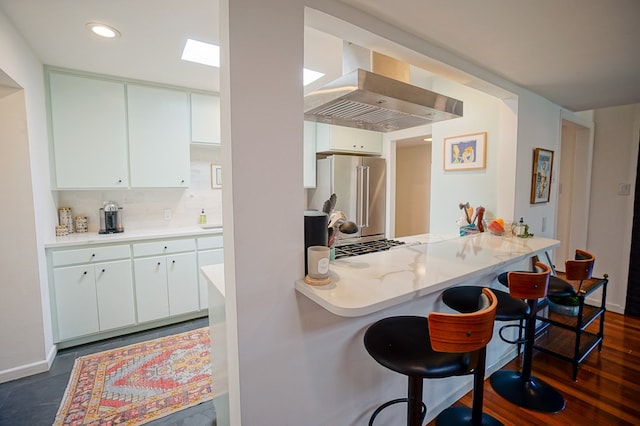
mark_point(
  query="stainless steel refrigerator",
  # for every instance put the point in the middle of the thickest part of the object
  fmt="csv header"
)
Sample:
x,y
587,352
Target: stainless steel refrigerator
x,y
360,186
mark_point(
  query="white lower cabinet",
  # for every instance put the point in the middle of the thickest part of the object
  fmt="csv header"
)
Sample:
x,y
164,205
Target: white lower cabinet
x,y
167,284
93,297
100,289
152,295
182,282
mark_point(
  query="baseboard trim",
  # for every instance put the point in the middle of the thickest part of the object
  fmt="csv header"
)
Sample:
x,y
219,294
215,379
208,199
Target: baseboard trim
x,y
29,369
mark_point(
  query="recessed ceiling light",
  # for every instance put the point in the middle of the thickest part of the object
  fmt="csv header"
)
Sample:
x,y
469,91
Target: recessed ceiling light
x,y
201,53
103,30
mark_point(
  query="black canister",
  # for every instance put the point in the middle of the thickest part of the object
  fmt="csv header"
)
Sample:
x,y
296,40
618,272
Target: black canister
x,y
316,232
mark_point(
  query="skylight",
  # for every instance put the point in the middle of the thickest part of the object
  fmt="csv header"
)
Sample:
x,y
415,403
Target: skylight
x,y
209,54
309,76
202,53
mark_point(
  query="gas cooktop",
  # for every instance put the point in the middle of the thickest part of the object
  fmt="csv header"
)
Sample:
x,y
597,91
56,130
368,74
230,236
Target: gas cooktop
x,y
357,249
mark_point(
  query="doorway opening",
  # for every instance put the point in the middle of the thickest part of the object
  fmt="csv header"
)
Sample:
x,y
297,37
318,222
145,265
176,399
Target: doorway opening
x,y
412,186
574,185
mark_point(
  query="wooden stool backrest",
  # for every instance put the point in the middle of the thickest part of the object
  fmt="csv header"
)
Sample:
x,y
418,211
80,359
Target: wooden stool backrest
x,y
456,333
581,268
529,285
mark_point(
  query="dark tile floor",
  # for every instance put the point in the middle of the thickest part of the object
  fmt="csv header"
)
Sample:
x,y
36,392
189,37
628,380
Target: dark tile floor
x,y
34,400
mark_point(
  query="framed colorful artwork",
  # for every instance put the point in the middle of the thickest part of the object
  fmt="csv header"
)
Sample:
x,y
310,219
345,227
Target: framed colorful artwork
x,y
541,179
465,152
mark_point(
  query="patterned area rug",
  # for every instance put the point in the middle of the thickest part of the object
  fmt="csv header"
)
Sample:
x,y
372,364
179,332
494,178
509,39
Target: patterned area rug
x,y
138,383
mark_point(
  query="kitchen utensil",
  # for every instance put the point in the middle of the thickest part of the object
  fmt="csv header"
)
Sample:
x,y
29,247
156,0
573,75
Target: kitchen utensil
x,y
330,204
348,227
337,219
466,208
479,216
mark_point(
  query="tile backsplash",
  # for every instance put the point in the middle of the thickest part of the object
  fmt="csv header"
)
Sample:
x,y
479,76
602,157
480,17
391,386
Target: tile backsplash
x,y
146,208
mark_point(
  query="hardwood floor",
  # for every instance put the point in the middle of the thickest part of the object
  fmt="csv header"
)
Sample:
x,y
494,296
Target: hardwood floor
x,y
607,390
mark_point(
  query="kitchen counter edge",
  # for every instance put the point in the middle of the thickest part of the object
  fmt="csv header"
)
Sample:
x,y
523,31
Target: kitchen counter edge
x,y
92,238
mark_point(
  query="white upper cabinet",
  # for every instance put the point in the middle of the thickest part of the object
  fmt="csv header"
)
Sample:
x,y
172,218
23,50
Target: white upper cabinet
x,y
158,137
89,130
331,138
205,119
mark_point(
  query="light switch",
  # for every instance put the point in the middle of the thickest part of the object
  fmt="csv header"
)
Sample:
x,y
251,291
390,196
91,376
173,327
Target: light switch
x,y
624,188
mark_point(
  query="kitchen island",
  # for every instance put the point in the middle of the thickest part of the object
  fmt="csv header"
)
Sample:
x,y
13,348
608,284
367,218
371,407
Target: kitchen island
x,y
406,280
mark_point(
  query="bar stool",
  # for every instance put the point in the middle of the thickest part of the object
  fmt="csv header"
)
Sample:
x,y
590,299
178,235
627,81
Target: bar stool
x,y
437,346
464,299
579,269
520,387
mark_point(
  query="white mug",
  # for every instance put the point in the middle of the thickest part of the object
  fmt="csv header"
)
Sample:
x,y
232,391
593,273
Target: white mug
x,y
318,262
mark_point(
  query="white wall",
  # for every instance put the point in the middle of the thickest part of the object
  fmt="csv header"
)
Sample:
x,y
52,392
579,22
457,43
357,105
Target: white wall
x,y
25,329
478,187
615,159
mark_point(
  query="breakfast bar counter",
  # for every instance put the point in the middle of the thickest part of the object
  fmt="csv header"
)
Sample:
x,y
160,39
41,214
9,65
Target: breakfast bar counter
x,y
361,285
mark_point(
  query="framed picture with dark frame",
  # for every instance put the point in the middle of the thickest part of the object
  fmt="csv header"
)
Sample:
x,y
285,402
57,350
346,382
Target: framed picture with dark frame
x,y
465,152
541,179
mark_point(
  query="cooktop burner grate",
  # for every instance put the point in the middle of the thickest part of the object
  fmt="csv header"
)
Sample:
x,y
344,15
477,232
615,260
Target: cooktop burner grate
x,y
357,249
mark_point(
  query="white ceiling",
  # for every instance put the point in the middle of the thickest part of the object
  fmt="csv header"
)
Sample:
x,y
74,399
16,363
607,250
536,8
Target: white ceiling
x,y
581,54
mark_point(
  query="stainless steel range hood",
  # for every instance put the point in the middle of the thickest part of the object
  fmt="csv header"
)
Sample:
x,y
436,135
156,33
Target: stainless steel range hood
x,y
367,100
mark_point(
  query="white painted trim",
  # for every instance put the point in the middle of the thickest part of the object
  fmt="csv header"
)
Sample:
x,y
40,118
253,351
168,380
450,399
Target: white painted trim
x,y
29,369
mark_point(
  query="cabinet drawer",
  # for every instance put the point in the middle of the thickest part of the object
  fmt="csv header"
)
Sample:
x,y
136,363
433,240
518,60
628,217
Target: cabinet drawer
x,y
206,243
90,255
163,247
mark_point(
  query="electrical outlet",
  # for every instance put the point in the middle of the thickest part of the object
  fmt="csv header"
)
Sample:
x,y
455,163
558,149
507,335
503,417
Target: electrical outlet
x,y
167,214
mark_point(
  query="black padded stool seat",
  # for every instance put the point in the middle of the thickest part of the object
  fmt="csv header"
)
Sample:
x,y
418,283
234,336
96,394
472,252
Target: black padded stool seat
x,y
557,286
440,345
402,343
464,299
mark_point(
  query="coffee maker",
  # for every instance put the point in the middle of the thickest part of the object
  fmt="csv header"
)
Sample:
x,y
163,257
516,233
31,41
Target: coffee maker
x,y
110,218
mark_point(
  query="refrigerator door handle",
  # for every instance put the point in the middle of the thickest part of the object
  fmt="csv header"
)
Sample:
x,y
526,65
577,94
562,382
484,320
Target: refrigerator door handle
x,y
360,196
366,201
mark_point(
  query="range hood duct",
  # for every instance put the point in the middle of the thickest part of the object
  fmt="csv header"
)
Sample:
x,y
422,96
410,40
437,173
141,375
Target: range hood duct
x,y
372,101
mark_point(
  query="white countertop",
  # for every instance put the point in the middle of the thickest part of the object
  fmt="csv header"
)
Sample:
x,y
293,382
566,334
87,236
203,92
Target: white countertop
x,y
368,283
88,238
215,275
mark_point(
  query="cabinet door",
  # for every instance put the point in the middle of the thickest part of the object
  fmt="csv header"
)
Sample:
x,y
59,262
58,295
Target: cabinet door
x,y
182,279
89,132
346,139
152,298
205,118
114,286
309,149
206,258
158,137
76,307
